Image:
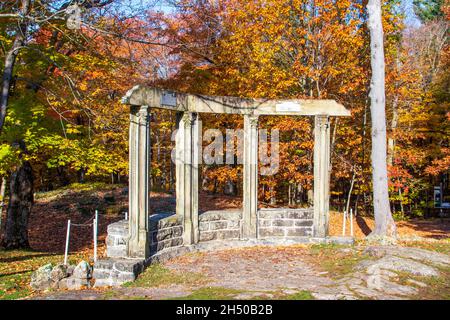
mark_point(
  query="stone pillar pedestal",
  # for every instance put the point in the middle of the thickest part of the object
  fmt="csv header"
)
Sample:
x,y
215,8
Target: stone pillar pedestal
x,y
321,175
250,183
139,181
188,156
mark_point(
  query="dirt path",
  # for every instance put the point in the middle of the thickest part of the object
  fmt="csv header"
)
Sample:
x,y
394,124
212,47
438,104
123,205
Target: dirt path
x,y
291,272
260,271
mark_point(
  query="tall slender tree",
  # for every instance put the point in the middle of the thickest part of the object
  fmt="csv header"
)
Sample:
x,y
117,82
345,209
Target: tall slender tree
x,y
384,223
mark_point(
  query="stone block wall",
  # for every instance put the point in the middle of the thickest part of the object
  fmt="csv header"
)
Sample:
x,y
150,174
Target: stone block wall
x,y
219,225
166,231
115,271
166,238
285,223
117,238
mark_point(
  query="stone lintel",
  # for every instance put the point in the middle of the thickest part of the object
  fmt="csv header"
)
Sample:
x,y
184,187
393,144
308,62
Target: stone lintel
x,y
166,99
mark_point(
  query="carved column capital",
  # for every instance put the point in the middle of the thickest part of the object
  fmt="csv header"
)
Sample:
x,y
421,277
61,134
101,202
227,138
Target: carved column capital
x,y
143,115
323,122
253,121
189,118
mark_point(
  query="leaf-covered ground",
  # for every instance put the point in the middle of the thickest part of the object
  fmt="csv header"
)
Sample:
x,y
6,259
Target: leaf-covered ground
x,y
16,267
78,203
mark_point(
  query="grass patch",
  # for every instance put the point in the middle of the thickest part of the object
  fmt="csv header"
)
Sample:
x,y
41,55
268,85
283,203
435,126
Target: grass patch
x,y
76,187
16,267
211,293
440,246
437,287
336,260
12,287
315,248
220,293
301,295
157,275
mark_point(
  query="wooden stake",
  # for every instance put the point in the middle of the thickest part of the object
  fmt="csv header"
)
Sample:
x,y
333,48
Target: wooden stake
x,y
351,222
66,251
95,227
344,223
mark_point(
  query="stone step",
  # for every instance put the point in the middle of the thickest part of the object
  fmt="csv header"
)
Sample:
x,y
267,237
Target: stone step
x,y
116,271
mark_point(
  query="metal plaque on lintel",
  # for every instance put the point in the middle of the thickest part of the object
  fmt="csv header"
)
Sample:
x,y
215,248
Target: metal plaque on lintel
x,y
169,98
288,107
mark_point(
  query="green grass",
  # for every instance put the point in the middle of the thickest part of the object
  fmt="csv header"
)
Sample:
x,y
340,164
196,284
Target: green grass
x,y
157,275
301,295
441,246
437,287
76,187
220,293
12,287
327,246
211,293
335,260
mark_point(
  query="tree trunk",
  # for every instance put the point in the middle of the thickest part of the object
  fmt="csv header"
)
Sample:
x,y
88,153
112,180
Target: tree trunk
x,y
81,175
10,61
394,122
19,208
273,200
391,139
2,201
384,224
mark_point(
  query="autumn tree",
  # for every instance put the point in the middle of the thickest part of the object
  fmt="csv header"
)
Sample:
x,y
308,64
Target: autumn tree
x,y
67,75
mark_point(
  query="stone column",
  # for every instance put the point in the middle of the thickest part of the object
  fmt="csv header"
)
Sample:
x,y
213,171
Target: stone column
x,y
139,181
321,175
188,155
196,161
250,183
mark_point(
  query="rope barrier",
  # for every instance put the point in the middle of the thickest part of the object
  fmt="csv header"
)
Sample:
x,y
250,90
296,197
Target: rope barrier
x,y
93,224
82,225
85,224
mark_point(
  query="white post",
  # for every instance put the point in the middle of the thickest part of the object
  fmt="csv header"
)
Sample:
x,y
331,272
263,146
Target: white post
x,y
351,222
344,223
66,251
95,226
126,215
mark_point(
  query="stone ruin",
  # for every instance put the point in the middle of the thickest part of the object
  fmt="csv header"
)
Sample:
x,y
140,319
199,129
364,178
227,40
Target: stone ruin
x,y
147,238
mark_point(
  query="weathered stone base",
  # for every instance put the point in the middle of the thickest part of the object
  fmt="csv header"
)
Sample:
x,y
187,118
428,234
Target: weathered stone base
x,y
220,225
116,241
166,231
217,230
116,271
285,223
